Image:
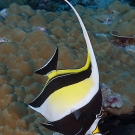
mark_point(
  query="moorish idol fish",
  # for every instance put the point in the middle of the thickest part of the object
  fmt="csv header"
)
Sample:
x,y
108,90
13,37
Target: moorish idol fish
x,y
71,100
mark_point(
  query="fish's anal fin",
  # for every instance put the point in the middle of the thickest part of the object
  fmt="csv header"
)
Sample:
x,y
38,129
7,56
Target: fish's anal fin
x,y
77,114
49,126
50,65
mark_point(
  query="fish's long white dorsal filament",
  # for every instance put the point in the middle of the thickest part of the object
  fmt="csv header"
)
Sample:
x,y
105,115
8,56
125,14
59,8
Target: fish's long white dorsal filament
x,y
89,46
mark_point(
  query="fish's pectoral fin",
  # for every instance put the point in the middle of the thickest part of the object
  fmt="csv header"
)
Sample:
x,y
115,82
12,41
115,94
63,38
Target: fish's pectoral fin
x,y
49,126
77,114
50,65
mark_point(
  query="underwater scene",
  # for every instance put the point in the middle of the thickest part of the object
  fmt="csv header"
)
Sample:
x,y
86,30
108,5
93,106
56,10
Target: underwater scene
x,y
67,67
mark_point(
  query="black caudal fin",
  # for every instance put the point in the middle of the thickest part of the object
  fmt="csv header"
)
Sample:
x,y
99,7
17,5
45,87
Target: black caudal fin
x,y
50,65
49,126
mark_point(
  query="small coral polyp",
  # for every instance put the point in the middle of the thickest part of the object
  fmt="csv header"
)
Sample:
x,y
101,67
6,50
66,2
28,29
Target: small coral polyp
x,y
42,28
108,20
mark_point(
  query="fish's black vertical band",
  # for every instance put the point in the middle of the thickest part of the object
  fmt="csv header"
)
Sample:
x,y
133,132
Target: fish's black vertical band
x,y
58,82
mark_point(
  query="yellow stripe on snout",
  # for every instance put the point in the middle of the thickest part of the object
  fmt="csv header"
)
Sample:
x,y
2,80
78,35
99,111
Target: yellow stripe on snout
x,y
66,97
96,131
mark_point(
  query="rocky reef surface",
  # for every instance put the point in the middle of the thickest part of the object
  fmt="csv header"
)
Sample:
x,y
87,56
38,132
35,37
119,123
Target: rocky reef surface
x,y
28,39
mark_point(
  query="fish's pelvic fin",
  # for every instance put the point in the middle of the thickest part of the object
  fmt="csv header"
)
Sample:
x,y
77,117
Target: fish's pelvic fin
x,y
77,114
50,65
49,126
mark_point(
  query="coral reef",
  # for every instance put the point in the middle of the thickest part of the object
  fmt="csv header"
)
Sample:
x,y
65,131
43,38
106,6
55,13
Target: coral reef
x,y
55,5
3,13
105,19
29,48
122,40
114,103
2,40
130,48
6,3
118,125
47,5
110,99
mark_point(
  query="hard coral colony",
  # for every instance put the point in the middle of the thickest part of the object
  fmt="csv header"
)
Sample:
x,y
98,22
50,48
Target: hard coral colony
x,y
121,40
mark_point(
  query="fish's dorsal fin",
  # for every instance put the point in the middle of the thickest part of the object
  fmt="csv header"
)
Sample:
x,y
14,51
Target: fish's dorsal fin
x,y
95,73
50,65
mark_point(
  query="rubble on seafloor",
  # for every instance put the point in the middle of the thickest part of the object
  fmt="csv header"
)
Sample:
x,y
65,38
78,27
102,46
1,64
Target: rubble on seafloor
x,y
29,48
